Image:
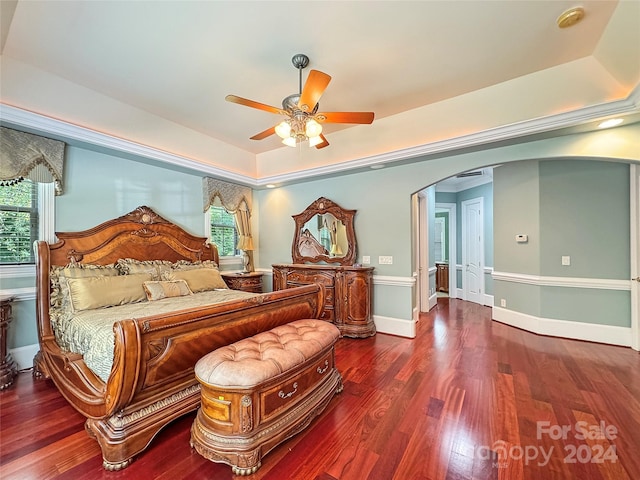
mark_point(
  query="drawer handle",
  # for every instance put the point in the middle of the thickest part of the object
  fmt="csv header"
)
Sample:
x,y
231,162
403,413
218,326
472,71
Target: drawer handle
x,y
281,394
322,370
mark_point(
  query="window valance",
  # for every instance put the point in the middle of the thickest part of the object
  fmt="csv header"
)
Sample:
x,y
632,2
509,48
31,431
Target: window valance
x,y
231,195
23,155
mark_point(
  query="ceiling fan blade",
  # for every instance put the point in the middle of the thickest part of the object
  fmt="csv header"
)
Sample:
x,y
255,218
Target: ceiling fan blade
x,y
344,117
267,133
251,103
325,142
313,89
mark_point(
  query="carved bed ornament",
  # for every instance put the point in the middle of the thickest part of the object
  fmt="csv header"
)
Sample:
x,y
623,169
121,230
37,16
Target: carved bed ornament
x,y
324,232
144,215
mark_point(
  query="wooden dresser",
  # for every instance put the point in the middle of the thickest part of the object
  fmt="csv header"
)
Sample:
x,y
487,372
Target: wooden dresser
x,y
442,277
349,292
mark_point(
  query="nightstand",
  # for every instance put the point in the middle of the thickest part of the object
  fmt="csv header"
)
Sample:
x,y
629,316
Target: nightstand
x,y
247,282
8,368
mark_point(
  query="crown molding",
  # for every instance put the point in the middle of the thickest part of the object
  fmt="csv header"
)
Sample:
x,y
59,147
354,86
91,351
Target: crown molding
x,y
30,120
512,131
24,118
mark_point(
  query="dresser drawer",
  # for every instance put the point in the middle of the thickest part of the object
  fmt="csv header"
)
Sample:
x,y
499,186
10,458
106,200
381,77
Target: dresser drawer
x,y
306,277
291,390
328,314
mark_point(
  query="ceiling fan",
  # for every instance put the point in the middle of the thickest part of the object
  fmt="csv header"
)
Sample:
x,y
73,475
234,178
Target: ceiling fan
x,y
303,121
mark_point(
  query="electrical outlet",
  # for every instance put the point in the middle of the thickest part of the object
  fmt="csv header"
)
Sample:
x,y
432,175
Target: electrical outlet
x,y
385,260
503,302
366,259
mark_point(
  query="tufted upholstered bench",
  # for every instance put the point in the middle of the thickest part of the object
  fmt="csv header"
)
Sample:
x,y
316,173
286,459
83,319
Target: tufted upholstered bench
x,y
260,391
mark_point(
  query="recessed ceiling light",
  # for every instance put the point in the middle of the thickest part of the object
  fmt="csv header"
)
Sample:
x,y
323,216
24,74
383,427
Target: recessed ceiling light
x,y
270,185
570,17
612,122
377,167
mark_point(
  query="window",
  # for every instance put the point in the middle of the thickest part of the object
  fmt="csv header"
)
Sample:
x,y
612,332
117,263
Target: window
x,y
18,222
38,200
223,231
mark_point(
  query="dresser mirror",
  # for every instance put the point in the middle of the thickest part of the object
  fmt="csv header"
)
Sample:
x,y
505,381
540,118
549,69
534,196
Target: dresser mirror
x,y
324,233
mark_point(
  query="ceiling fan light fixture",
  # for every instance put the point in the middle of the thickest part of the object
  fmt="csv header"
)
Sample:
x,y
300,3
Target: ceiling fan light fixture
x,y
312,128
283,129
289,141
303,121
315,140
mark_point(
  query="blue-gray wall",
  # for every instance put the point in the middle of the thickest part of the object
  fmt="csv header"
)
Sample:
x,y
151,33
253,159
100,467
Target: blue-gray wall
x,y
98,187
569,208
101,186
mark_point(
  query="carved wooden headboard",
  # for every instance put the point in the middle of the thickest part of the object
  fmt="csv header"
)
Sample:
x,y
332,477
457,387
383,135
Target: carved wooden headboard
x,y
141,234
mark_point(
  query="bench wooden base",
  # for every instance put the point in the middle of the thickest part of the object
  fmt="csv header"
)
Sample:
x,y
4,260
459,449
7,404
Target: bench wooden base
x,y
239,425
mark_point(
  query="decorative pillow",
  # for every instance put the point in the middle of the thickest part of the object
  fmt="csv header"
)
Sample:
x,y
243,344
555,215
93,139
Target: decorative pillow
x,y
106,291
155,268
59,275
199,280
187,265
157,290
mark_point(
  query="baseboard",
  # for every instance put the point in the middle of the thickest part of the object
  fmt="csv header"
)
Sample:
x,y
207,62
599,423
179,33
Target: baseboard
x,y
433,300
488,300
23,356
395,326
589,332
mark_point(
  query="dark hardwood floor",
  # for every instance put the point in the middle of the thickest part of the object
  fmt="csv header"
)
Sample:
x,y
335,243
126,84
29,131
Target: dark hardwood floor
x,y
467,399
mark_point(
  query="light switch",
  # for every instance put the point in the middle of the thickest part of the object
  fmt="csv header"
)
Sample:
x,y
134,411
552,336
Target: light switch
x,y
366,259
566,260
385,260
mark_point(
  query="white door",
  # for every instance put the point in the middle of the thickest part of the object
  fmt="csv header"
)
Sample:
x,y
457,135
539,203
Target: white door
x,y
635,256
473,251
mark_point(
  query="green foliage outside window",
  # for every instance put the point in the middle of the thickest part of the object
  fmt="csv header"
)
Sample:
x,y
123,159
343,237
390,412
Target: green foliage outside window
x,y
223,231
18,222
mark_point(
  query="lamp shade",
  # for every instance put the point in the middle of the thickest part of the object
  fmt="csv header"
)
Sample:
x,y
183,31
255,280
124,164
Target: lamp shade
x,y
289,141
313,141
312,128
283,129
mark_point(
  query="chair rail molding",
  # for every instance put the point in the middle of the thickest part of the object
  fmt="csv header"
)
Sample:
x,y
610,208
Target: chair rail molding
x,y
570,282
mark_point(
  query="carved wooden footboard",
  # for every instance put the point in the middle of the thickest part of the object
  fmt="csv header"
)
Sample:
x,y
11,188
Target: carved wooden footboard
x,y
152,380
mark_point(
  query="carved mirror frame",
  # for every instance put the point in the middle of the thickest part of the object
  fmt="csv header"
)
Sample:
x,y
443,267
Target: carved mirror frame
x,y
323,206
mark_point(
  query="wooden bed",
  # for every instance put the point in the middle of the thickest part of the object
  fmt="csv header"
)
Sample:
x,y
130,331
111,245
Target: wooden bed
x,y
152,380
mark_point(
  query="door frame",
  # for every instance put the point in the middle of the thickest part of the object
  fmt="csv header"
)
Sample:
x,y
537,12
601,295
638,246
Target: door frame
x,y
422,240
634,176
450,208
464,235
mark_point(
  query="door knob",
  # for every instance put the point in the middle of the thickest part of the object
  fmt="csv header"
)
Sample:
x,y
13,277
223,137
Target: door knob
x,y
637,279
